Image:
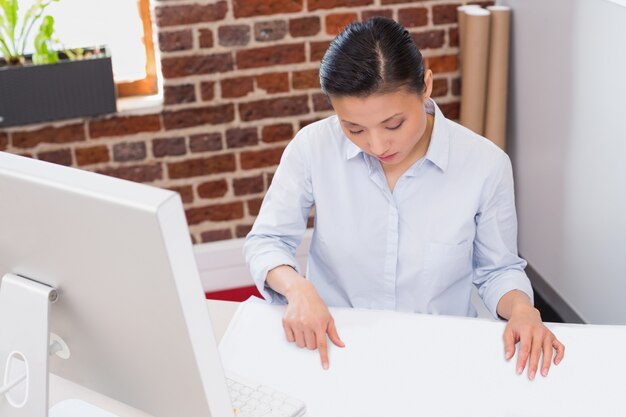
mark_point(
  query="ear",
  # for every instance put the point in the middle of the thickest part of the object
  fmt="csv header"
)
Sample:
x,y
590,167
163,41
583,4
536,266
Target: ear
x,y
428,84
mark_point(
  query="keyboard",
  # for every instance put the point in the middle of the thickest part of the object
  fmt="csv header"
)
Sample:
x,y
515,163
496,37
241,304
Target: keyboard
x,y
255,400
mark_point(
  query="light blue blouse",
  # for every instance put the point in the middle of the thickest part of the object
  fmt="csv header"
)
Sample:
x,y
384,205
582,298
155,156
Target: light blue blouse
x,y
449,223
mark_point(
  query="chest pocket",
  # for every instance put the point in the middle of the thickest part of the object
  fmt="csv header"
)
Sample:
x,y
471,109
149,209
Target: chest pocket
x,y
447,264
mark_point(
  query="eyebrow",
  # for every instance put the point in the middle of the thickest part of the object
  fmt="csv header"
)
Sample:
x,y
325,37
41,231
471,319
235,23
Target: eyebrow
x,y
384,121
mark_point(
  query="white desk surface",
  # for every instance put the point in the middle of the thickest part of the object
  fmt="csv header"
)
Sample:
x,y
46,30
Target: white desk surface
x,y
404,364
589,382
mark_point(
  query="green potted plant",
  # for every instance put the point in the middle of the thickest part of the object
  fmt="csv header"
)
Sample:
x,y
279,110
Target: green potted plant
x,y
53,83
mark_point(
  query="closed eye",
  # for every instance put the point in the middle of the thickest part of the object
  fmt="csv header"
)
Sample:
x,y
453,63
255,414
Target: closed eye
x,y
355,133
396,127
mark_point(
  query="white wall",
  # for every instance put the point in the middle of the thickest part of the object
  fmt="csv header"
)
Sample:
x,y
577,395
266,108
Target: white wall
x,y
567,137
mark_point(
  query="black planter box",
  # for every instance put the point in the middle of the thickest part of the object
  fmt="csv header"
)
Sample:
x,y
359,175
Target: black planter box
x,y
68,89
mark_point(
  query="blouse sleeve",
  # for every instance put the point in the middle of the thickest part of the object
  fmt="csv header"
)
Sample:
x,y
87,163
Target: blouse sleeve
x,y
282,219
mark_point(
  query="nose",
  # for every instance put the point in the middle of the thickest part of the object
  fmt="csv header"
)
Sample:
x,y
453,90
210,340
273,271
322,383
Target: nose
x,y
378,146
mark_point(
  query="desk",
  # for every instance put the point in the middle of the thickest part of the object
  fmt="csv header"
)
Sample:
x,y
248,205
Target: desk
x,y
588,382
402,364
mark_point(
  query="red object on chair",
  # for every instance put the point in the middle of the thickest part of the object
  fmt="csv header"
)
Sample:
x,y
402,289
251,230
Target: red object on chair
x,y
234,294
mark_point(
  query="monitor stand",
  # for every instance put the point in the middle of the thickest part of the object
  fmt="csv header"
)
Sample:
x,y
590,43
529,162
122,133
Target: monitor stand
x,y
25,345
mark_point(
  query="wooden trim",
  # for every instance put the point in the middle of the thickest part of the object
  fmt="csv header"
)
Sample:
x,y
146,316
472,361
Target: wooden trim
x,y
147,85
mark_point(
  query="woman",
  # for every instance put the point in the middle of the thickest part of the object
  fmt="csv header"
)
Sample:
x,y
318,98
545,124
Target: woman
x,y
411,209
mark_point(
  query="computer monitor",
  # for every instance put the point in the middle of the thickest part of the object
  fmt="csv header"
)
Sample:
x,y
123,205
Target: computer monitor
x,y
118,258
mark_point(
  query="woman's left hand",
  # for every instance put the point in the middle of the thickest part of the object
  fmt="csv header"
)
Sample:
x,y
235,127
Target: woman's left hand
x,y
536,341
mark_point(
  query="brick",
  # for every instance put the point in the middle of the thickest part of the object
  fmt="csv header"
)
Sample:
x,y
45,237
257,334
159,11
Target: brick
x,y
201,166
318,49
272,30
321,102
254,206
216,235
483,4
215,213
277,133
440,87
248,185
270,55
237,87
184,66
414,17
429,39
190,14
307,122
213,115
122,126
305,26
178,94
444,13
60,157
275,82
268,178
442,63
239,138
335,23
451,110
453,36
260,159
332,4
206,38
4,141
129,151
137,173
207,90
179,40
242,230
250,8
205,143
306,79
385,2
234,35
456,86
368,14
271,108
213,189
169,147
310,222
92,155
62,134
186,193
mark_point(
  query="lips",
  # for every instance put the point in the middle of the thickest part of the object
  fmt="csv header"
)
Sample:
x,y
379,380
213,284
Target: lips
x,y
387,158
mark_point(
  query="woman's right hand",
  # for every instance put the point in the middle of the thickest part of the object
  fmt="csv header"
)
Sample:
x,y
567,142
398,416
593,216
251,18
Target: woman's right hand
x,y
307,320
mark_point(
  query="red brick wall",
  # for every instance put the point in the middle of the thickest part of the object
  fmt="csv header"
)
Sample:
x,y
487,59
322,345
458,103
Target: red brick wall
x,y
240,78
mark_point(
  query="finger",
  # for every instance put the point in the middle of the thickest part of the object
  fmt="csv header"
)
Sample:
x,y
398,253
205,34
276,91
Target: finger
x,y
535,354
547,355
321,343
524,352
560,351
288,332
333,335
299,338
509,344
311,341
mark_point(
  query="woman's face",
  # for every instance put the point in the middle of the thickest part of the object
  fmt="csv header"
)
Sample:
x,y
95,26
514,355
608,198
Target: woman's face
x,y
386,126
